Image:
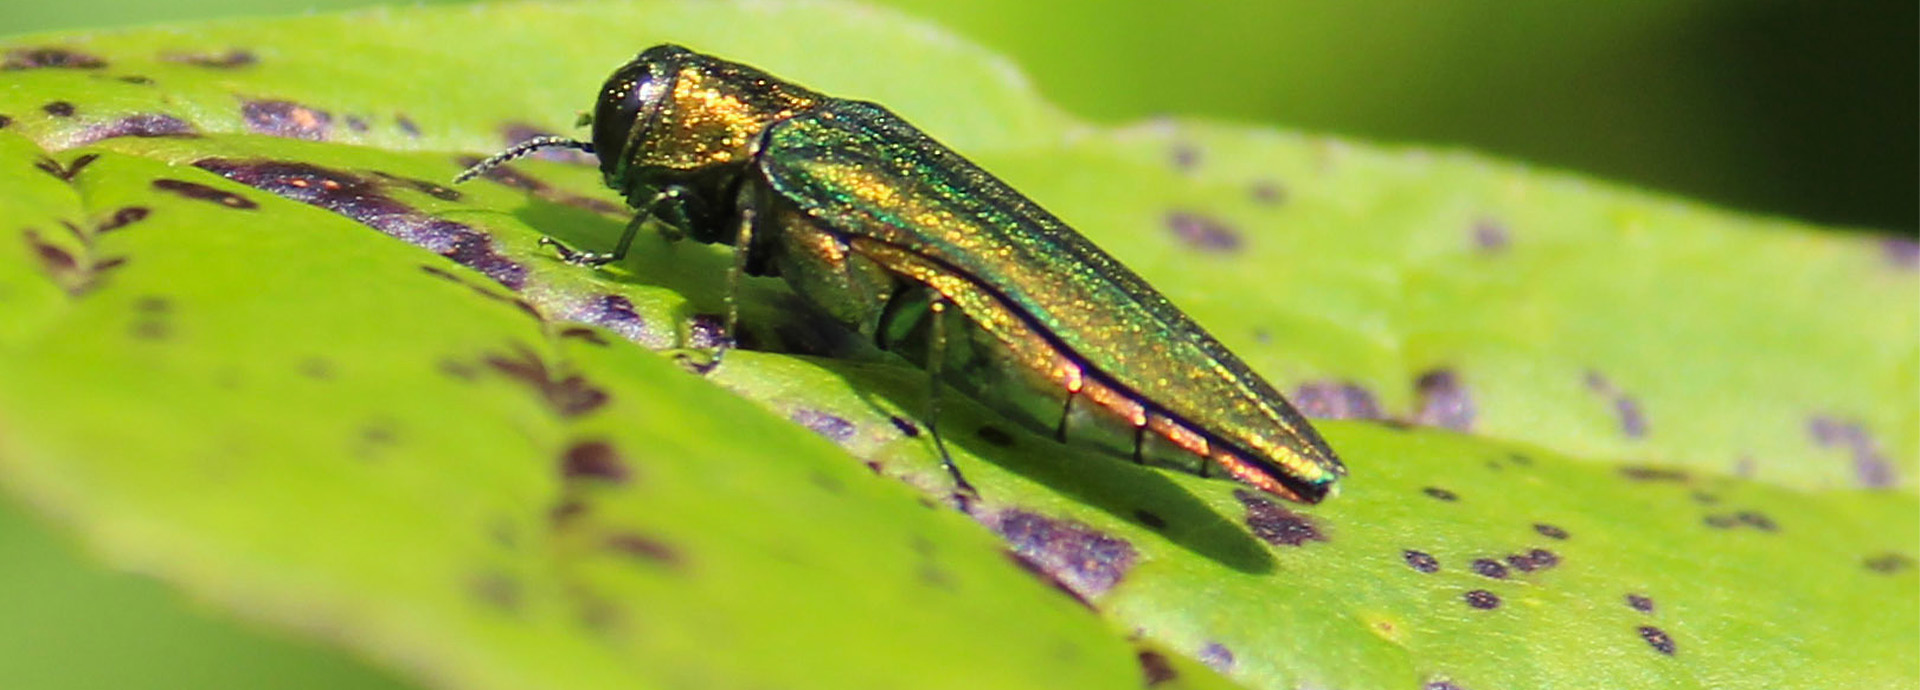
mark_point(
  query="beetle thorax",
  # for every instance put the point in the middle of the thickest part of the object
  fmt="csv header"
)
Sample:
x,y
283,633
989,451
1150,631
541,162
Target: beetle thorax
x,y
711,116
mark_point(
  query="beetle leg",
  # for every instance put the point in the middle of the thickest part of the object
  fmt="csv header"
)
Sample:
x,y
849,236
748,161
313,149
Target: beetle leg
x,y
585,258
936,360
742,246
1066,411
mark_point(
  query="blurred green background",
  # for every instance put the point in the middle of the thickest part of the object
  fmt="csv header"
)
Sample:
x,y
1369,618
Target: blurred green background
x,y
1807,109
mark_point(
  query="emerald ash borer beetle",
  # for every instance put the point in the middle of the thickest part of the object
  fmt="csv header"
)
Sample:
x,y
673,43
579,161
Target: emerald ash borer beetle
x,y
903,240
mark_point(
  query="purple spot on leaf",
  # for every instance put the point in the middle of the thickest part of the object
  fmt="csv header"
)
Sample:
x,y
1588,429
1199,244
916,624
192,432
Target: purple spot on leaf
x,y
1086,561
1336,400
1203,233
1444,401
287,119
1274,524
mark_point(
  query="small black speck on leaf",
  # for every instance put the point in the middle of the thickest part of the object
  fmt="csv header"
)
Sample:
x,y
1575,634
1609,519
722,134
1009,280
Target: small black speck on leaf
x,y
195,190
1421,561
1155,668
49,58
1658,639
906,426
123,217
1549,531
1441,494
594,459
1888,563
1482,599
232,59
1640,602
1487,567
645,548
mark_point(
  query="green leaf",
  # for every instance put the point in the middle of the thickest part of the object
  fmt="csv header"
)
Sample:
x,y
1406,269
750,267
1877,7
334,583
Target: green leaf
x,y
1681,440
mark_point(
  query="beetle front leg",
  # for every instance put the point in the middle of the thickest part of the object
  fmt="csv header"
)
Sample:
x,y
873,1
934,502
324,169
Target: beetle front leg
x,y
586,258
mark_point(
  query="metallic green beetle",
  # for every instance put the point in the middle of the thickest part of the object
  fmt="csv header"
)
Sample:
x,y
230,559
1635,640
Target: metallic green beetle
x,y
893,234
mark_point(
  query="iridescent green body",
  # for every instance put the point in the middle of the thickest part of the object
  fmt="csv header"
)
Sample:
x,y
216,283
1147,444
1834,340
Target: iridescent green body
x,y
893,234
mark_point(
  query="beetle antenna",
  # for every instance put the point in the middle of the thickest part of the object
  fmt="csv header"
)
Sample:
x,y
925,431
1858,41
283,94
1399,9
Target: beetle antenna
x,y
518,150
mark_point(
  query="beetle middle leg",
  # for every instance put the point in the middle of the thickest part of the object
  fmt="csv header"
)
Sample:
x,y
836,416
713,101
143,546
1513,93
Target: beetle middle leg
x,y
936,360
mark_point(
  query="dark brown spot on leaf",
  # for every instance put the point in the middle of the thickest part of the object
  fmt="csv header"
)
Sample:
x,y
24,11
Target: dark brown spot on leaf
x,y
1888,563
5,120
1086,561
1155,668
1640,603
995,436
1658,639
195,190
126,215
583,333
1441,685
406,126
1217,657
232,59
906,426
287,119
136,79
645,548
1549,531
362,200
1482,599
1421,561
1439,493
1149,519
594,459
1203,233
1274,524
570,396
358,124
1336,400
1487,567
833,427
1537,559
67,172
1642,473
1757,520
50,58
1444,401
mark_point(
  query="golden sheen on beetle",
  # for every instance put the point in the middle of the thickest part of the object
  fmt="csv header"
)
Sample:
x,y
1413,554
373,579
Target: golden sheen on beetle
x,y
906,242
